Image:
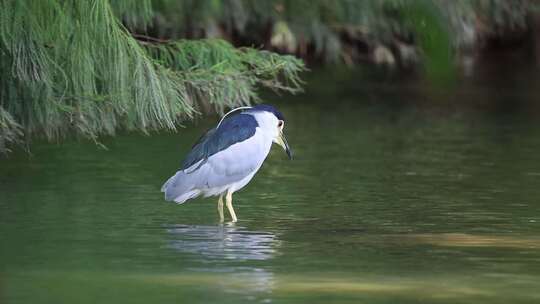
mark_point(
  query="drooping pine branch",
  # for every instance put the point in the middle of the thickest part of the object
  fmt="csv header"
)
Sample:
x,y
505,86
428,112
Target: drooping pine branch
x,y
72,66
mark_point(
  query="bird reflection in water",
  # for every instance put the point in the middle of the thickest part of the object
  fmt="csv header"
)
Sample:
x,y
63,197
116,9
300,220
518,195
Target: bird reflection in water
x,y
230,249
224,242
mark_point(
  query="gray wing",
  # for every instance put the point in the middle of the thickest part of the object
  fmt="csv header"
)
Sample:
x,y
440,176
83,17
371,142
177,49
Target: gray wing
x,y
232,130
221,169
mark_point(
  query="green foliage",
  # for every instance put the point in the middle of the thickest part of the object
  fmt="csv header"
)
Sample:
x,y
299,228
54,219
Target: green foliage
x,y
322,24
90,66
426,21
71,65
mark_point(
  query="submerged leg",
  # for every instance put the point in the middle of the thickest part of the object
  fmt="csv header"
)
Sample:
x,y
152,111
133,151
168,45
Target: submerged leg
x,y
228,200
220,207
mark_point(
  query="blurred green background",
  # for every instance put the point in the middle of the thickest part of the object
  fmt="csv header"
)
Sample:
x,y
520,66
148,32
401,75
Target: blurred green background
x,y
92,68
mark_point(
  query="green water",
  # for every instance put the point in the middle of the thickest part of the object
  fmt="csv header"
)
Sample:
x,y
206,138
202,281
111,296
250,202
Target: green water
x,y
409,193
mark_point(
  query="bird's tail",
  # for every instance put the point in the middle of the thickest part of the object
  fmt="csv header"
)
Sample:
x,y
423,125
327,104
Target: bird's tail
x,y
177,190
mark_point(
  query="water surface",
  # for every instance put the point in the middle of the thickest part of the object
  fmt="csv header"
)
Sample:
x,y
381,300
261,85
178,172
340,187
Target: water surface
x,y
399,193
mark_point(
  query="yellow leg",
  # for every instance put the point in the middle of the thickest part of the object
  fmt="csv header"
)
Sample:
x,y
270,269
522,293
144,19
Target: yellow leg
x,y
220,208
228,201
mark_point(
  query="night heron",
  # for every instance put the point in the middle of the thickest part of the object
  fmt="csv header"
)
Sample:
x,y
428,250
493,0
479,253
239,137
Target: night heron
x,y
227,157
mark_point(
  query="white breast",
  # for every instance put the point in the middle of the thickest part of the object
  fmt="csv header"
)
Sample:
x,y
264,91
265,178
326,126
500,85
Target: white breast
x,y
232,168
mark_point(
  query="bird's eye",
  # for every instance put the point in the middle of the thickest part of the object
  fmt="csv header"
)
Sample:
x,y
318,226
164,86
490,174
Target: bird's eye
x,y
280,123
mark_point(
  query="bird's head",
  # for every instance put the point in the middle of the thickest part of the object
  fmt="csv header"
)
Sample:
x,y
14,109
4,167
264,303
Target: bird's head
x,y
274,123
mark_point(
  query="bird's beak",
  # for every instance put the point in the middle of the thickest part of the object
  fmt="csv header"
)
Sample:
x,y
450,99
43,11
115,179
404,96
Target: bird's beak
x,y
282,141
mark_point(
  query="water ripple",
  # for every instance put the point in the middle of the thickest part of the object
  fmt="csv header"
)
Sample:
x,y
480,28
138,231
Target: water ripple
x,y
223,242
